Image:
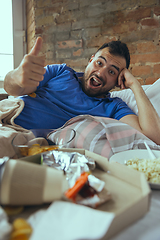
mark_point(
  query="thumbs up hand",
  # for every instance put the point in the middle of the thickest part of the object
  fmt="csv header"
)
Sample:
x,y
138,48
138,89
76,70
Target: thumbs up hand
x,y
27,76
37,47
32,66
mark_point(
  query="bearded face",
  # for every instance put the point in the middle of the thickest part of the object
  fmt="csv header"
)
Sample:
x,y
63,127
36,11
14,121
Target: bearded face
x,y
101,73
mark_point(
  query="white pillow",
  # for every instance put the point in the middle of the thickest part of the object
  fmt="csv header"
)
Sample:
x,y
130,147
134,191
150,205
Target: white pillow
x,y
152,91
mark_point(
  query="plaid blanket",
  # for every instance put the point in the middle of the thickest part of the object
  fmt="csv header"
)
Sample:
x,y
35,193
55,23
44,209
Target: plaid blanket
x,y
104,136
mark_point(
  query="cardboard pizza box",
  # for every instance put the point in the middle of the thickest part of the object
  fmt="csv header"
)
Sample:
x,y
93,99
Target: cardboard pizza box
x,y
129,189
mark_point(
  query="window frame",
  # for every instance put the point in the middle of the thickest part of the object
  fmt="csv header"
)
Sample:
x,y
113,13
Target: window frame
x,y
19,31
19,35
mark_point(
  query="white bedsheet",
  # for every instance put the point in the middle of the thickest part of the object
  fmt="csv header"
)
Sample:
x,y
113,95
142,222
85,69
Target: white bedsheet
x,y
148,227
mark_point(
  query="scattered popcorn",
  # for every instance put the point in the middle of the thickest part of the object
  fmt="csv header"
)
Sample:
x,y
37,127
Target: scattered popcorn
x,y
151,168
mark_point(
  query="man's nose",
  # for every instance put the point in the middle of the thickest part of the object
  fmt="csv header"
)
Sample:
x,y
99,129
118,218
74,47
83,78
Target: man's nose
x,y
102,72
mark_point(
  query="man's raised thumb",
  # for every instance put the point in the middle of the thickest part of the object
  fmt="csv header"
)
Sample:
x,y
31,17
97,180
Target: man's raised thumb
x,y
37,47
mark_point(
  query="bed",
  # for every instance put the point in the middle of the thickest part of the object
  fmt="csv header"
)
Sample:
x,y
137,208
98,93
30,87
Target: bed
x,y
102,136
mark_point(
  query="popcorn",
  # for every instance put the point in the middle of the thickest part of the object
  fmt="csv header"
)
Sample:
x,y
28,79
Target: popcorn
x,y
151,168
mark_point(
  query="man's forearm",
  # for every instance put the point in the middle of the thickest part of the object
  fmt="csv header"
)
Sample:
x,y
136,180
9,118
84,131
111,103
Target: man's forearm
x,y
149,120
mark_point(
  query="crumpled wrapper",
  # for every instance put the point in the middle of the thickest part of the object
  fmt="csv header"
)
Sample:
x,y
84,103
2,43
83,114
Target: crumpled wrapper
x,y
74,165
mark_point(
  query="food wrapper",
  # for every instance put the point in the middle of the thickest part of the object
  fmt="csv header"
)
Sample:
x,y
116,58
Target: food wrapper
x,y
84,188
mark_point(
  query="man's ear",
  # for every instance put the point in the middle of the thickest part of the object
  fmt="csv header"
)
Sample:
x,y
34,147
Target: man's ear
x,y
91,58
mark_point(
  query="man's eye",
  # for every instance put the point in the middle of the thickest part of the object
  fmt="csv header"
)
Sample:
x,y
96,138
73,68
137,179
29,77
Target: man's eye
x,y
112,72
99,63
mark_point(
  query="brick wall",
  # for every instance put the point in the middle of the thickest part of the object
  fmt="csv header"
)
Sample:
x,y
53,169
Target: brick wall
x,y
30,16
72,30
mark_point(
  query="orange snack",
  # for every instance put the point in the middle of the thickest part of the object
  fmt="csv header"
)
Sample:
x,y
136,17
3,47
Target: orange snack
x,y
21,230
36,148
72,192
24,151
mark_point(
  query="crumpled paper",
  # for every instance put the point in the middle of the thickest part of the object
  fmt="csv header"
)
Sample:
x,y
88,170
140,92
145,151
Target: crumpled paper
x,y
5,227
69,221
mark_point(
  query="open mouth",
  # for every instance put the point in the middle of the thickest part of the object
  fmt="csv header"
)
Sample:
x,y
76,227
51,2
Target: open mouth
x,y
95,82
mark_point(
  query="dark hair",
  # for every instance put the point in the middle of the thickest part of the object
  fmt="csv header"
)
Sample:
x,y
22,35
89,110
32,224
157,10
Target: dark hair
x,y
118,48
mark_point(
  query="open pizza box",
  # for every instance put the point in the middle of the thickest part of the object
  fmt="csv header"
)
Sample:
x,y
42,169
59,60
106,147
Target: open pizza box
x,y
129,190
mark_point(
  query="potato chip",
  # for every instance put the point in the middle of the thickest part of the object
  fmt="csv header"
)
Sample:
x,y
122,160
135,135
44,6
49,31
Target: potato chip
x,y
33,95
24,151
26,232
20,237
20,223
21,230
36,148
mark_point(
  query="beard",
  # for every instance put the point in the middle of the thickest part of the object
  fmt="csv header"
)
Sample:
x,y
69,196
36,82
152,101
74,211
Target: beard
x,y
99,93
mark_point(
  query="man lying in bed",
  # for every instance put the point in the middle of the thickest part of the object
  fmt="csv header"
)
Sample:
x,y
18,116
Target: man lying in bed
x,y
56,93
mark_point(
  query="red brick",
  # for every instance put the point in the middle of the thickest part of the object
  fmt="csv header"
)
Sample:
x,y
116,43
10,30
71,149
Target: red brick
x,y
42,3
63,27
143,46
141,70
38,12
149,22
112,18
78,62
132,48
70,5
56,8
39,30
70,44
150,80
156,68
157,10
63,54
87,22
143,58
78,52
98,41
49,55
47,47
137,14
71,16
124,27
46,20
53,61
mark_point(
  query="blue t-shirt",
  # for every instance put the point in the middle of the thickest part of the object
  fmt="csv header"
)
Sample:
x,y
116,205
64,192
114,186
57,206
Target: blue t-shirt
x,y
59,97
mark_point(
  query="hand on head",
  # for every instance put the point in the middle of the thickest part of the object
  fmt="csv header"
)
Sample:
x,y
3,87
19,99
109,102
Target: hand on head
x,y
126,79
